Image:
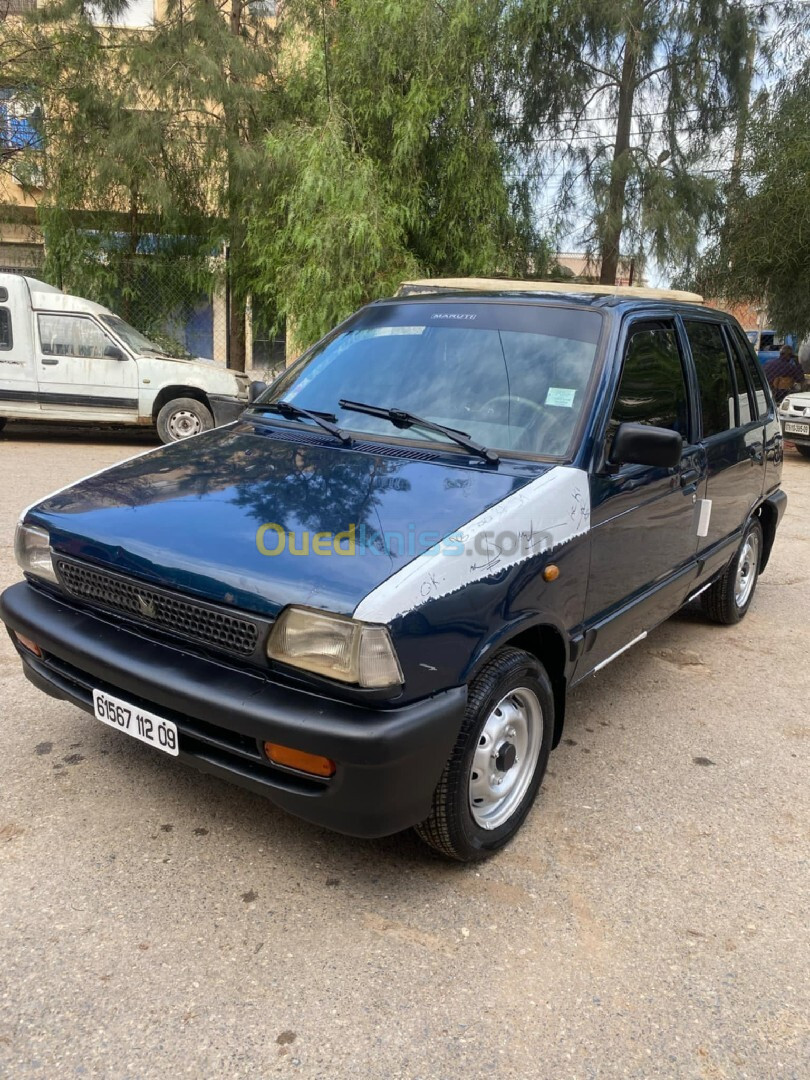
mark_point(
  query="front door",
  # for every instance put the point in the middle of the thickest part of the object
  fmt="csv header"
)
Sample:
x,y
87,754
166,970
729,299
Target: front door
x,y
643,519
77,378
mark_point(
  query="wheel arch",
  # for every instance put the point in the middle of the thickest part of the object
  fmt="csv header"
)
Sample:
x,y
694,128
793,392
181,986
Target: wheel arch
x,y
179,390
768,517
547,643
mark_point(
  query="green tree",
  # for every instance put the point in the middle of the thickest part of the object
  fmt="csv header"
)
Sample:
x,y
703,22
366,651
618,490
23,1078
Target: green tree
x,y
152,142
618,105
763,252
391,159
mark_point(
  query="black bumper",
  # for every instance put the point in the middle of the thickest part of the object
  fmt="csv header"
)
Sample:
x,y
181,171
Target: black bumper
x,y
226,409
388,760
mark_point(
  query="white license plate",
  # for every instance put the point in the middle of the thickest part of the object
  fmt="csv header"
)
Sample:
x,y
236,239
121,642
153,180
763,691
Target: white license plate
x,y
797,429
151,729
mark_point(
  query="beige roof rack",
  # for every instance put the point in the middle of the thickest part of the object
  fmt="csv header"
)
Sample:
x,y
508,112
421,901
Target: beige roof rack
x,y
505,285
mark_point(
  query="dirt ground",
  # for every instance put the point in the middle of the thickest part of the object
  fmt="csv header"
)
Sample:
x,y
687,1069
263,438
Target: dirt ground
x,y
650,920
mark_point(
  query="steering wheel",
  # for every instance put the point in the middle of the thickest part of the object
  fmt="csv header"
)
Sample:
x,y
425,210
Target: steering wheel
x,y
509,400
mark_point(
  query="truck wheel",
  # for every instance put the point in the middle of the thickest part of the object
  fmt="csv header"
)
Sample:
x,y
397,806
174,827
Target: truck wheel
x,y
496,767
803,450
182,417
728,599
2,422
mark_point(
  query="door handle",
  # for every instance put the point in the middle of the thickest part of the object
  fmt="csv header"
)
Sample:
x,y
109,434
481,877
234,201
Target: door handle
x,y
689,476
49,361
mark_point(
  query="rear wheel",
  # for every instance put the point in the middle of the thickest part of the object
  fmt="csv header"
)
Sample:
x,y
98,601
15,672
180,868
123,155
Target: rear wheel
x,y
182,417
497,765
730,596
803,450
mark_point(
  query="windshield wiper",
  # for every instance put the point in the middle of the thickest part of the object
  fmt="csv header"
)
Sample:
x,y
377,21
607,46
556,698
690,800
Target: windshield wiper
x,y
295,412
402,419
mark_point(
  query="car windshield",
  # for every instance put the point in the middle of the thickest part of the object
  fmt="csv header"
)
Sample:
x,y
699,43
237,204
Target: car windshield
x,y
514,376
136,341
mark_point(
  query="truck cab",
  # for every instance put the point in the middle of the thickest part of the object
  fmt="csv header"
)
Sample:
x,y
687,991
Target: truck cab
x,y
65,358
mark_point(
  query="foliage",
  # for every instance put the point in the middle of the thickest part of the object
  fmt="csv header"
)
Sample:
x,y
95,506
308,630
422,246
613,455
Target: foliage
x,y
619,105
763,252
153,140
391,161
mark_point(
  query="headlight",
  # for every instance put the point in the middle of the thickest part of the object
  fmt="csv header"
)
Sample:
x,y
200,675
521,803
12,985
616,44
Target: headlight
x,y
32,550
335,646
784,405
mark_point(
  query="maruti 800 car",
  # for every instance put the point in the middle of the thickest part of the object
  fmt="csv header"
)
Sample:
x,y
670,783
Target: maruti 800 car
x,y
367,598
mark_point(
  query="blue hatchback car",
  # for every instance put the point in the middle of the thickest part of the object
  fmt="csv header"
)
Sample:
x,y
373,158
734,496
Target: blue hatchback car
x,y
367,598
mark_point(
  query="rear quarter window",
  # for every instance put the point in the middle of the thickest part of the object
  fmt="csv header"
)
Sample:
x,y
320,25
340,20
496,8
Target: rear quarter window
x,y
6,339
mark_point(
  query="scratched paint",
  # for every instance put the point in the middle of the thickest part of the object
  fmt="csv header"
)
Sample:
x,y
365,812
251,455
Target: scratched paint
x,y
540,517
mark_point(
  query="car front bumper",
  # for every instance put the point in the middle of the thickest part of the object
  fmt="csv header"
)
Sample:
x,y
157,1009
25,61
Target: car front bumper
x,y
388,760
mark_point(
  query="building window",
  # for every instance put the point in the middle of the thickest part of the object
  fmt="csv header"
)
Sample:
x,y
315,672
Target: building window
x,y
20,121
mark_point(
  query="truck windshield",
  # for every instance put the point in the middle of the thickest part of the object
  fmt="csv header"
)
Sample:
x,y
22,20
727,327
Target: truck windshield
x,y
513,377
131,337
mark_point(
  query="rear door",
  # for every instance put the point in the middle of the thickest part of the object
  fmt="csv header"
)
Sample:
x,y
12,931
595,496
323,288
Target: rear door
x,y
76,378
643,519
732,434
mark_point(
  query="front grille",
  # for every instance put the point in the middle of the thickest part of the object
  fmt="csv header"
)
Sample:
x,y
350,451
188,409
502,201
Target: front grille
x,y
176,614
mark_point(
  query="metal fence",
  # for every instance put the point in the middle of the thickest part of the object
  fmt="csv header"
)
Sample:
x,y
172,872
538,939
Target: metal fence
x,y
187,316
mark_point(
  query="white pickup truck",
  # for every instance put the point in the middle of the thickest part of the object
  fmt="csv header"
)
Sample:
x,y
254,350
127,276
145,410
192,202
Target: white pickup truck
x,y
65,358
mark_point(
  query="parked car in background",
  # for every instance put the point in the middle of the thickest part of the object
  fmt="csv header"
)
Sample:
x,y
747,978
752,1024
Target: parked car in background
x,y
794,416
68,359
367,599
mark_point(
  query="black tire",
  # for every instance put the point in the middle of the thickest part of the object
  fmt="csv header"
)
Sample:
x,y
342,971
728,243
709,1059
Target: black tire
x,y
182,417
2,422
453,827
803,450
721,602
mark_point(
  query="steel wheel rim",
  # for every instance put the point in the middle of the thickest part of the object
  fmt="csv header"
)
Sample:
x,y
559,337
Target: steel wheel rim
x,y
746,570
499,776
183,423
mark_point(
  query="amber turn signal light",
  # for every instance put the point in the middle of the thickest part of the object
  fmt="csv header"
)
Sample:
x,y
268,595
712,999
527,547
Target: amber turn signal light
x,y
313,764
551,572
28,644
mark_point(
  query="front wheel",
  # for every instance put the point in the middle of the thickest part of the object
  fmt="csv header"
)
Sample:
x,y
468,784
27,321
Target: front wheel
x,y
497,765
803,450
728,599
2,422
182,417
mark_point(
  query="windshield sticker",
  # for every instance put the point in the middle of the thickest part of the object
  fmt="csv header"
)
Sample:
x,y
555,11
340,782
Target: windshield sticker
x,y
560,395
536,519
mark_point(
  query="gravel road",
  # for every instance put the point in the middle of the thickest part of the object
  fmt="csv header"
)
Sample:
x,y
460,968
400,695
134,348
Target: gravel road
x,y
651,919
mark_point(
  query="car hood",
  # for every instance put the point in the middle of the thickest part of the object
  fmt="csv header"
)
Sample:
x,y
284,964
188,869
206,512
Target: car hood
x,y
191,515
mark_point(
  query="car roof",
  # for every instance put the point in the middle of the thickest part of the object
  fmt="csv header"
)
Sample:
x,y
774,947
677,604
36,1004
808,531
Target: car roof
x,y
512,287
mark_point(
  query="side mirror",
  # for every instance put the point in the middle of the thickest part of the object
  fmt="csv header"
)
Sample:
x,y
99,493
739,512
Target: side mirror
x,y
112,352
641,444
256,389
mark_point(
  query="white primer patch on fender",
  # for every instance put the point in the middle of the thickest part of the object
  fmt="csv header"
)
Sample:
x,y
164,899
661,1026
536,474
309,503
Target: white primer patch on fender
x,y
542,515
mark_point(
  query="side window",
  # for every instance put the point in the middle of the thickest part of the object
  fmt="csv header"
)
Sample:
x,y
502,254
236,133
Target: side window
x,y
755,372
746,405
714,375
6,340
72,335
652,389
